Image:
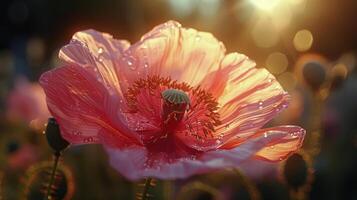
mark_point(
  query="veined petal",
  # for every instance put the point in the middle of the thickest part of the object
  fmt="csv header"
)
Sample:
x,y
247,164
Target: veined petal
x,y
275,150
185,55
283,148
84,109
248,98
136,167
101,54
251,97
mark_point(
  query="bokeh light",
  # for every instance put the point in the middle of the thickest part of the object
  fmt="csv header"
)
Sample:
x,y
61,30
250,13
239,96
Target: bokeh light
x,y
303,40
182,8
281,17
277,63
296,2
265,4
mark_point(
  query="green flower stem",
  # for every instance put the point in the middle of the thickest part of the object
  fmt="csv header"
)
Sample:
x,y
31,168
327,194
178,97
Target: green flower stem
x,y
145,193
48,191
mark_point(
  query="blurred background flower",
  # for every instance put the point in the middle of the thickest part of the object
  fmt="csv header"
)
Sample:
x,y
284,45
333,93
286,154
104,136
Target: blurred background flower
x,y
309,45
26,103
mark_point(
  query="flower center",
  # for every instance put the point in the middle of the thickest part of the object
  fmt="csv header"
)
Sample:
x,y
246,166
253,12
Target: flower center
x,y
174,106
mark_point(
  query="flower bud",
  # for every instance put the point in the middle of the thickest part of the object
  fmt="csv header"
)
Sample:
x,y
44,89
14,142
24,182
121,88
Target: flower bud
x,y
54,137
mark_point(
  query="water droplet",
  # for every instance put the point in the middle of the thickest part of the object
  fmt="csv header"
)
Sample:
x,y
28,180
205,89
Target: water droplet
x,y
77,133
130,61
260,107
265,135
270,80
146,65
260,102
100,50
218,141
43,132
272,147
294,135
198,37
88,140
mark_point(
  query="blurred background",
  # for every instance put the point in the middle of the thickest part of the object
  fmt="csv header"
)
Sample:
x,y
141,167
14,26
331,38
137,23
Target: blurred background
x,y
309,45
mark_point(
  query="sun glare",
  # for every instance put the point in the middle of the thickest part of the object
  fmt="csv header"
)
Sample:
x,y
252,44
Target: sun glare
x,y
265,4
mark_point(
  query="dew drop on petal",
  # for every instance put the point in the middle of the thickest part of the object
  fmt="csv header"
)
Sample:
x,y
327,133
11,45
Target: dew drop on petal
x,y
265,135
131,63
88,140
100,50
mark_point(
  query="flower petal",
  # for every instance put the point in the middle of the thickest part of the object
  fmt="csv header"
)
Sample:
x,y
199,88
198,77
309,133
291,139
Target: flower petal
x,y
185,55
100,53
131,162
283,148
216,81
278,149
251,98
84,109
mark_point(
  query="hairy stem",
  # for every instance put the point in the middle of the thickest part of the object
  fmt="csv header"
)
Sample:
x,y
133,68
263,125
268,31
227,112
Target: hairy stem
x,y
48,191
144,195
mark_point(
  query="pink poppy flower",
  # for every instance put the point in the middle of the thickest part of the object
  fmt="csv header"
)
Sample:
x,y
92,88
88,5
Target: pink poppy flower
x,y
169,106
27,103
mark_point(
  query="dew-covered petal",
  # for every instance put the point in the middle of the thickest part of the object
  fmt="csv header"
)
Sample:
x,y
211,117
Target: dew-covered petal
x,y
132,162
216,81
84,108
283,148
101,54
251,98
247,99
185,55
275,150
